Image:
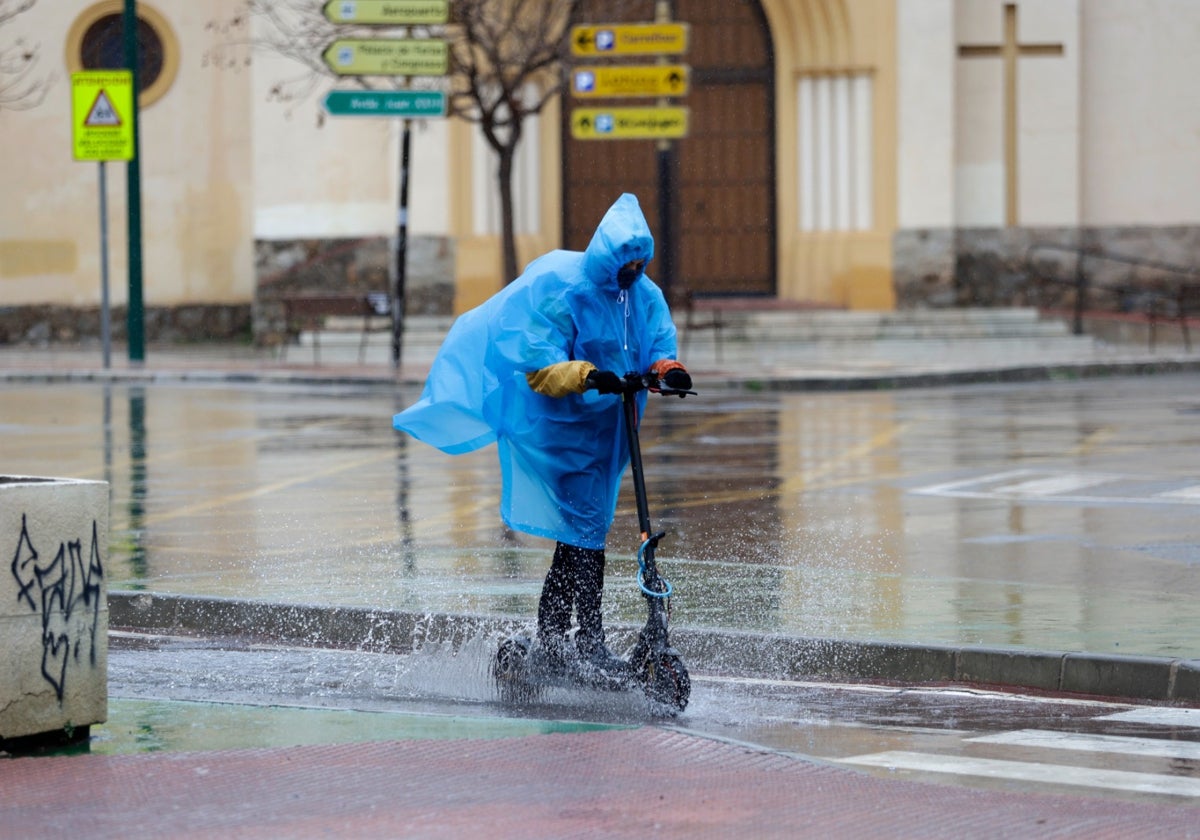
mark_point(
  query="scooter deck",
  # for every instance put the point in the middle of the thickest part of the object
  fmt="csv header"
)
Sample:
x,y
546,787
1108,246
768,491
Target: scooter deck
x,y
536,670
522,671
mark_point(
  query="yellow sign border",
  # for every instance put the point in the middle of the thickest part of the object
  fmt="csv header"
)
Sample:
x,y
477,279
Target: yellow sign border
x,y
102,142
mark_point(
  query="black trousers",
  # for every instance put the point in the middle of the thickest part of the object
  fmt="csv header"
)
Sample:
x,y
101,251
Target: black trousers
x,y
575,579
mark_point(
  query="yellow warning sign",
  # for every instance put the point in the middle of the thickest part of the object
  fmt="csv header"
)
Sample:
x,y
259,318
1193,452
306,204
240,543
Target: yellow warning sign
x,y
102,115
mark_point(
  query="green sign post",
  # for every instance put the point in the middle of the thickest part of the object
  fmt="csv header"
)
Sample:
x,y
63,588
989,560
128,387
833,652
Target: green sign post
x,y
415,104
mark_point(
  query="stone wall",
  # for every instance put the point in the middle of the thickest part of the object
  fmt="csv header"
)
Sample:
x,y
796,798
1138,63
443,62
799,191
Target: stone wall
x,y
349,266
948,267
45,324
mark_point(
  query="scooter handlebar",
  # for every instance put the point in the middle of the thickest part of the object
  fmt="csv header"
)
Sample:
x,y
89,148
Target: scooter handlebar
x,y
635,382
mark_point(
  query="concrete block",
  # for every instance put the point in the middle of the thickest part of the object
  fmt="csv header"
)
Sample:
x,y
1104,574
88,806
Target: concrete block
x,y
53,606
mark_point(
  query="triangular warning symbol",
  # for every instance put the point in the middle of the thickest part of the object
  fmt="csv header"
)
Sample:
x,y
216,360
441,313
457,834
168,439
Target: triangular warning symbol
x,y
102,112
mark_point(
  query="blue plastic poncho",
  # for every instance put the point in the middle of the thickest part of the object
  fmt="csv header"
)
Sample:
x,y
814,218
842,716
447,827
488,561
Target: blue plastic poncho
x,y
561,459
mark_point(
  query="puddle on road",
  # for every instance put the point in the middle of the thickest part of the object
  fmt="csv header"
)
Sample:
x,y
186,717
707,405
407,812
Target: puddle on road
x,y
142,726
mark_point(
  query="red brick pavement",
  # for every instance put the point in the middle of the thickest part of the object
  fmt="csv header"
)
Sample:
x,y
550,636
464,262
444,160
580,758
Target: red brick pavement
x,y
643,782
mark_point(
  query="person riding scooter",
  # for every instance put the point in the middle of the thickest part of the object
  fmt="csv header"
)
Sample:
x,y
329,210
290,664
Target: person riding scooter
x,y
535,368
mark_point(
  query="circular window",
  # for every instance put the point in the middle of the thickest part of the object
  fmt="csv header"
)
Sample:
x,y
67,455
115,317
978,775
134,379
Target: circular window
x,y
97,42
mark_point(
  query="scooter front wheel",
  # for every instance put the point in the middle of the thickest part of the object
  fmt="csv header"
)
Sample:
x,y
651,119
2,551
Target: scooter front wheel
x,y
665,681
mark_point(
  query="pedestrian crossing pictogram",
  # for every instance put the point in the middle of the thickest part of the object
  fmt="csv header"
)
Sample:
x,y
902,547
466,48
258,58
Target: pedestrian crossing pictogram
x,y
102,113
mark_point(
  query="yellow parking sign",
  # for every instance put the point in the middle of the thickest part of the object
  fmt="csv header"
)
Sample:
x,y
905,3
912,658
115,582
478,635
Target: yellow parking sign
x,y
102,115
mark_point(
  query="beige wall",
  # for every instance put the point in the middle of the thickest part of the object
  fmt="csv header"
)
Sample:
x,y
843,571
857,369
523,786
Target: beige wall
x,y
1141,112
1107,131
195,166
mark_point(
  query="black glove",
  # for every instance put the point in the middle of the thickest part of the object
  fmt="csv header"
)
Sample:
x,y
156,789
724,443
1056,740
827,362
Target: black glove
x,y
678,380
606,382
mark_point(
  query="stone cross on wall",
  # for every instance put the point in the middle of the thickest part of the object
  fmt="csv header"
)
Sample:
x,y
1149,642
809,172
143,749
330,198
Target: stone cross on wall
x,y
1009,51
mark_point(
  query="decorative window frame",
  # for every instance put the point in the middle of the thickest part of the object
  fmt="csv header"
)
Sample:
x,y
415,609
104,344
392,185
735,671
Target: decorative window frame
x,y
148,15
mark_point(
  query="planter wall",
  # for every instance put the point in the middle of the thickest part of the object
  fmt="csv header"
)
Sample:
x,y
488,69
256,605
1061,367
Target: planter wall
x,y
53,606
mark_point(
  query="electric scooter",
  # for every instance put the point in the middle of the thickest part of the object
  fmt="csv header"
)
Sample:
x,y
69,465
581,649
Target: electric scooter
x,y
521,670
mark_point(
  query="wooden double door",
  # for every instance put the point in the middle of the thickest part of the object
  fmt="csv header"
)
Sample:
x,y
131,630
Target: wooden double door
x,y
719,181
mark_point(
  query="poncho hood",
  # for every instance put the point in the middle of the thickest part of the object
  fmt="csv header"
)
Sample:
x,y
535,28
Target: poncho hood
x,y
622,236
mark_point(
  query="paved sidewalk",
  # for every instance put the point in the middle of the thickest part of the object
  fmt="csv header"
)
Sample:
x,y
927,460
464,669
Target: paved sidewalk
x,y
643,782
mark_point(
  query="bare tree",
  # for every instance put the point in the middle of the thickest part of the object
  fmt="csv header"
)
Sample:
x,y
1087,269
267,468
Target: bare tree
x,y
20,86
507,60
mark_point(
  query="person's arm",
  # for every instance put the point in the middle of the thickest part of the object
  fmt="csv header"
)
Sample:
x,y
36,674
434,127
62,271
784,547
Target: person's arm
x,y
560,379
672,373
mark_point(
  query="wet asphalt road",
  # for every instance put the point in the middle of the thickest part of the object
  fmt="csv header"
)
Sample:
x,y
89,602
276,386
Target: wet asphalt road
x,y
1053,516
1057,516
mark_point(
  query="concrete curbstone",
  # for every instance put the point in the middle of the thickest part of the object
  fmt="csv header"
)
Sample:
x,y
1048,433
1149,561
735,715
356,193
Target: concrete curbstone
x,y
1146,678
1185,687
1028,669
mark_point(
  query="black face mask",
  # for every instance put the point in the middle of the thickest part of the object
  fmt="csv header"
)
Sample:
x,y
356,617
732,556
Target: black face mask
x,y
627,276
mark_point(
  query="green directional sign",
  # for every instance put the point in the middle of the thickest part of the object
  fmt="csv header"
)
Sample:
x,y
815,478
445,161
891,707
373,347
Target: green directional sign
x,y
387,57
386,103
388,12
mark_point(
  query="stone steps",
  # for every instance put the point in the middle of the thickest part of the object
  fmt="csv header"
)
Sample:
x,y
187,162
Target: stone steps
x,y
794,337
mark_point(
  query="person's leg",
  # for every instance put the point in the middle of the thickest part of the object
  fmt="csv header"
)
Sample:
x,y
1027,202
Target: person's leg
x,y
554,607
589,593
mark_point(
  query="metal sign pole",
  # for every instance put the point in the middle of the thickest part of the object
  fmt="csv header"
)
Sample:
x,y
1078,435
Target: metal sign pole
x,y
401,248
105,322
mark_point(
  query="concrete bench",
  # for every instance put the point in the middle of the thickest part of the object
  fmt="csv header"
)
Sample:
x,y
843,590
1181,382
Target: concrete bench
x,y
53,608
320,313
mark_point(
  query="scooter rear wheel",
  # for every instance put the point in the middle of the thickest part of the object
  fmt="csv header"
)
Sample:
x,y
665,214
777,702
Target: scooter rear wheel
x,y
510,671
665,681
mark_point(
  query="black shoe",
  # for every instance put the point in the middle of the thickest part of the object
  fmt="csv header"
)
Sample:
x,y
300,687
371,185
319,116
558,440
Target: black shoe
x,y
597,655
551,652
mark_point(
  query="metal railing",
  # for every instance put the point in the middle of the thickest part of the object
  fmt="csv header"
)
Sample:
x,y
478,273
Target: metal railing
x,y
1152,298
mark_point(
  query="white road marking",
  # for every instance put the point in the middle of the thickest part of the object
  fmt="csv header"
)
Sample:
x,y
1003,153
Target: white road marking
x,y
1187,493
1158,716
1155,747
1048,774
1062,486
1055,484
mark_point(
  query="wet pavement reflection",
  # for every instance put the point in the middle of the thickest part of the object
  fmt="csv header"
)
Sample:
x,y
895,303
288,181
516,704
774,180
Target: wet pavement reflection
x,y
1057,516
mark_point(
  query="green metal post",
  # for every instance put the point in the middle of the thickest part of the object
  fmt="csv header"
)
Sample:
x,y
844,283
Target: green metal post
x,y
134,320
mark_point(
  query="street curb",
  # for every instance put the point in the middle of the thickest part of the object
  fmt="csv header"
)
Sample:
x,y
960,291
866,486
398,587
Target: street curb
x,y
716,652
780,379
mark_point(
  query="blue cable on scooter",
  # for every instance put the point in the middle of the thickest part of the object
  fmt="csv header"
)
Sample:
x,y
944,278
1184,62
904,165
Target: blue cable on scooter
x,y
642,571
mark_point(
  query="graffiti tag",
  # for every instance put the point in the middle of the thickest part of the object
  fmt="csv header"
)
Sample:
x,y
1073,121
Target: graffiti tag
x,y
66,590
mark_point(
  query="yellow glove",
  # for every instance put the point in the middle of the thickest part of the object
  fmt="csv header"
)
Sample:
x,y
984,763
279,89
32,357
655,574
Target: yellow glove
x,y
560,379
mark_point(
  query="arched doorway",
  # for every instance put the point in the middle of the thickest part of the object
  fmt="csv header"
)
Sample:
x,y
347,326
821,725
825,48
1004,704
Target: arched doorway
x,y
723,173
